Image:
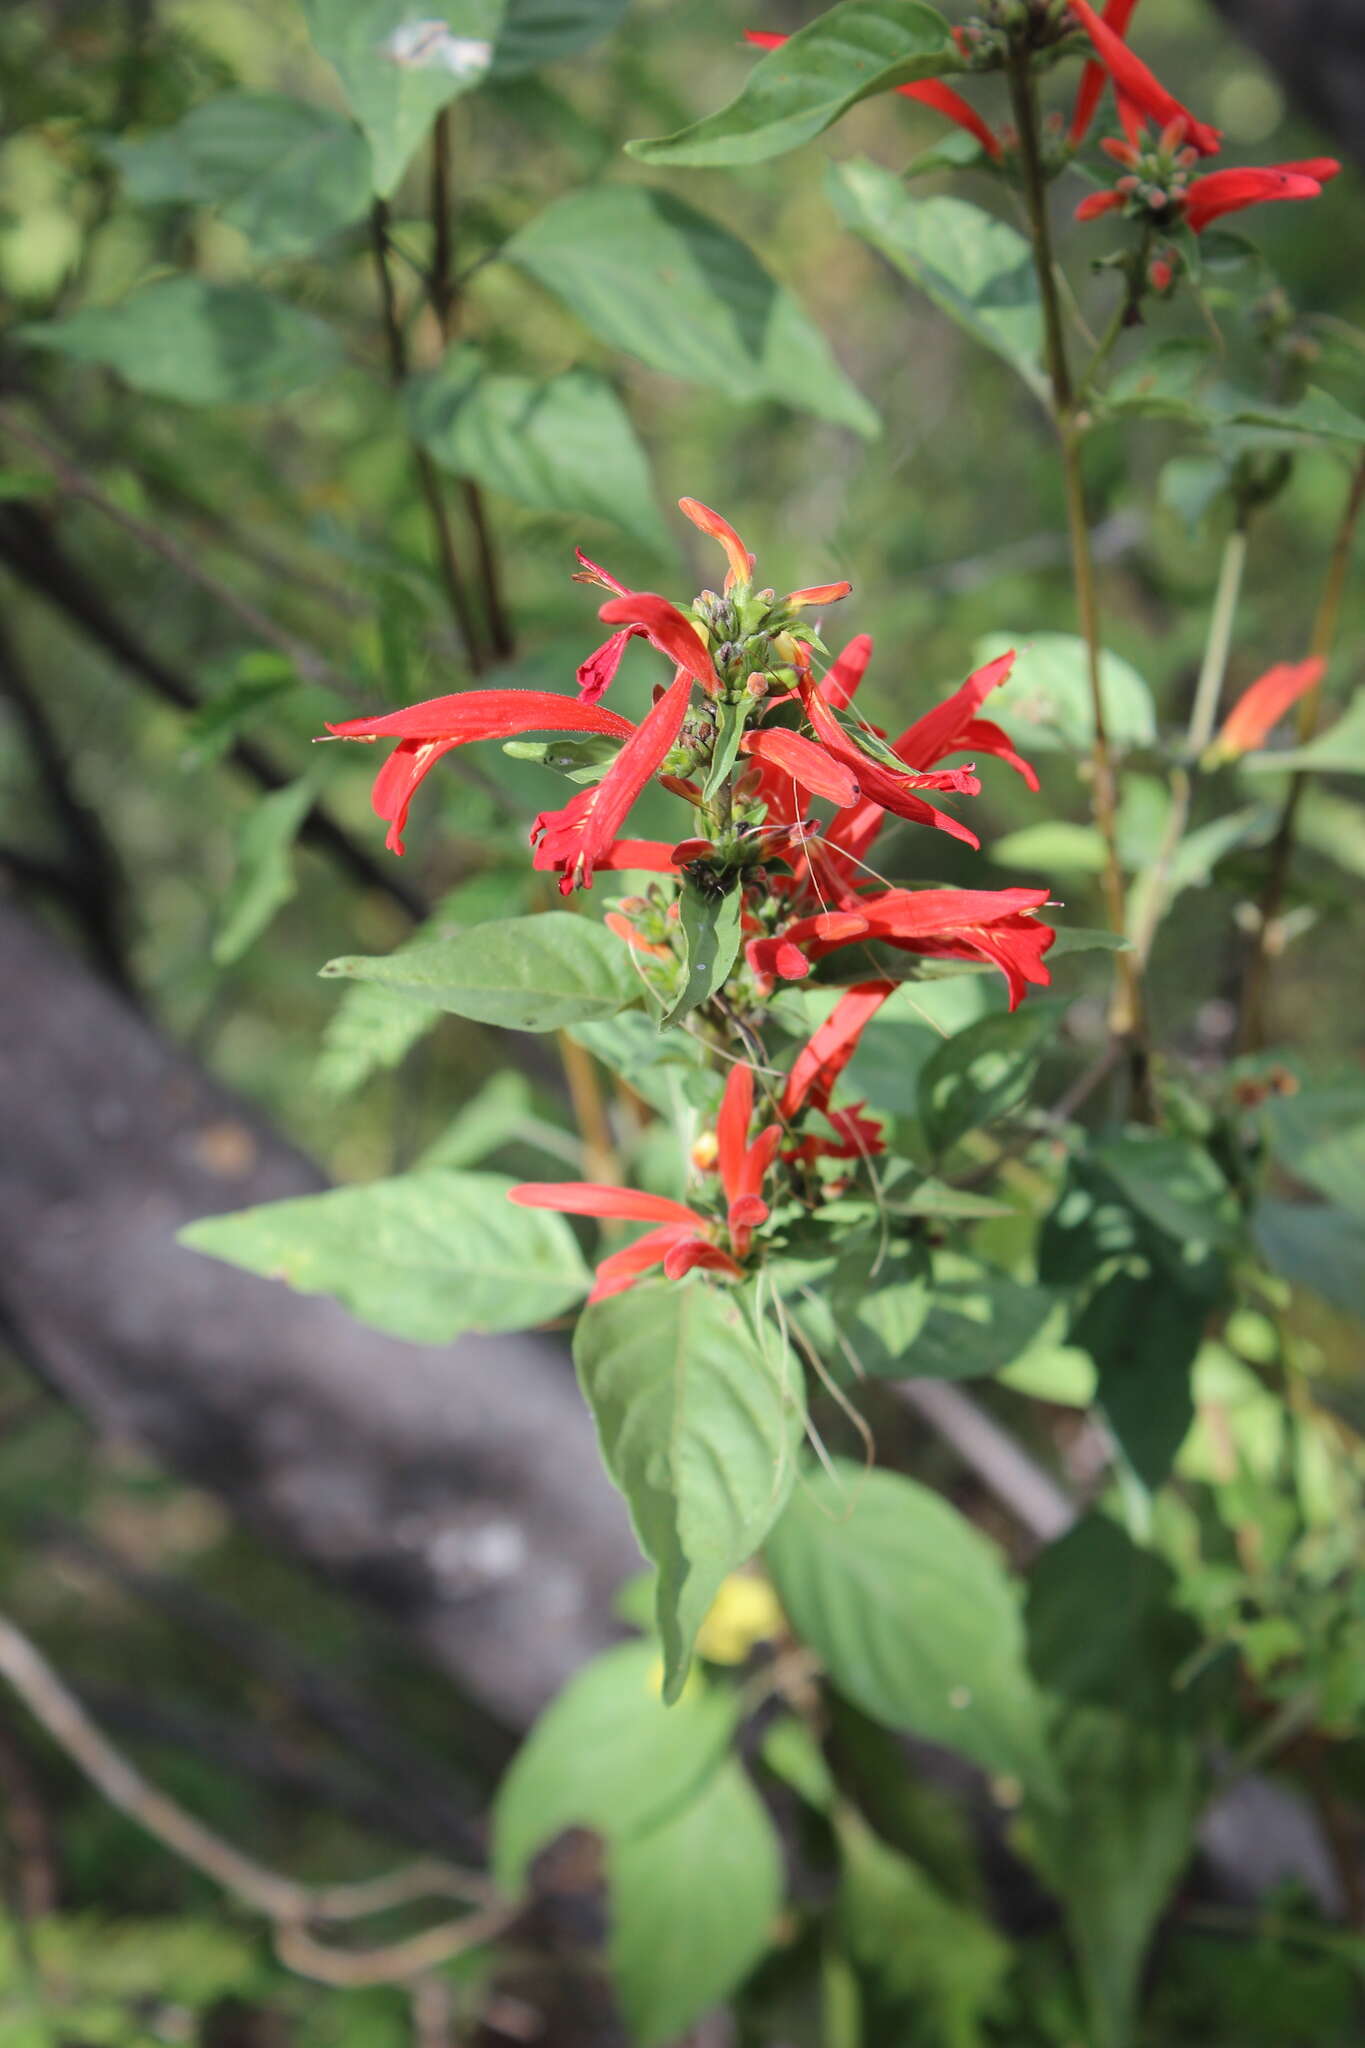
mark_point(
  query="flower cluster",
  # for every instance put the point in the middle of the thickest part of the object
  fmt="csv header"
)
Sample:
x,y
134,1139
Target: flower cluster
x,y
755,730
1162,142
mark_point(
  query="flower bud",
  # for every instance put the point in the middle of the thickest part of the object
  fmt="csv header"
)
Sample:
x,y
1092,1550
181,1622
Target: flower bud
x,y
705,1152
756,685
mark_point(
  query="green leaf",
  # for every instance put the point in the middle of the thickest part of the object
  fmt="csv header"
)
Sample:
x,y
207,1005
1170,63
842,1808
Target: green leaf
x,y
1144,1340
204,344
710,926
263,881
857,48
1114,1850
257,680
608,1755
399,66
494,1116
665,1067
1173,1182
558,444
983,1072
1056,847
288,174
1103,1626
1315,1246
980,1321
1333,826
536,32
700,1419
912,1613
426,1256
1045,705
922,1949
976,269
1318,1133
525,973
650,275
1338,751
1316,415
692,1906
731,719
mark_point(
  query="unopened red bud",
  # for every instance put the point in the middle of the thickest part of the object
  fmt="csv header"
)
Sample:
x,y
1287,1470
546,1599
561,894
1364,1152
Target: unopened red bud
x,y
1156,198
1128,185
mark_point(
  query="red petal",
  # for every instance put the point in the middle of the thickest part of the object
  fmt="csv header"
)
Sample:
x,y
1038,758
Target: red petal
x,y
1096,203
1220,192
573,841
485,715
818,593
880,784
944,100
732,1129
840,684
1141,87
811,766
696,1251
589,571
598,672
669,631
821,1061
1264,704
620,1270
591,1198
1094,78
715,528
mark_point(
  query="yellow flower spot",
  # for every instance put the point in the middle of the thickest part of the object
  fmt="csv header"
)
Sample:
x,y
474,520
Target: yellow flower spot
x,y
744,1612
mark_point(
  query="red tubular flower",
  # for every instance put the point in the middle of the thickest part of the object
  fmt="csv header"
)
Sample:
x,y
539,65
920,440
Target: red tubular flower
x,y
426,731
810,766
665,628
743,1165
929,92
830,1048
1141,88
968,924
598,672
1264,704
710,523
581,836
839,686
1096,203
1220,192
881,785
595,1198
1094,78
818,593
952,727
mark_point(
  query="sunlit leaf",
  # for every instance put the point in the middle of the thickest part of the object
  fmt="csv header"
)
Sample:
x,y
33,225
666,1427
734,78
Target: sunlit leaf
x,y
263,881
650,275
426,1256
855,49
527,973
700,1416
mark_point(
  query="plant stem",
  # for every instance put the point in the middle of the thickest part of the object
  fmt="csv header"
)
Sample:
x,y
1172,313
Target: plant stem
x,y
1127,1011
1152,903
1251,1035
446,304
427,476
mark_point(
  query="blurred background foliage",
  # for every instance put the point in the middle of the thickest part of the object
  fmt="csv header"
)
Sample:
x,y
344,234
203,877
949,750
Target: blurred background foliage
x,y
951,526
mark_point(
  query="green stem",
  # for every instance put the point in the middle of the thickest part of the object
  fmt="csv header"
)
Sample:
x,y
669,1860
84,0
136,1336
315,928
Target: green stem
x,y
1151,907
1127,1012
1251,1035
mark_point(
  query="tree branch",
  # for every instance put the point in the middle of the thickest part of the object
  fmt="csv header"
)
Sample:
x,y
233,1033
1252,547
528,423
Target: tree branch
x,y
30,546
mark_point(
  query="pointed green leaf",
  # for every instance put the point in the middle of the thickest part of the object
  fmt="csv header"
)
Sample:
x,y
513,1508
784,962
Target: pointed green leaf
x,y
1045,705
1114,1850
692,1906
857,48
399,65
426,1256
983,1072
650,275
287,174
526,973
558,444
204,344
608,1755
976,269
710,926
913,1615
1316,1246
536,32
1144,1340
263,881
700,1419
